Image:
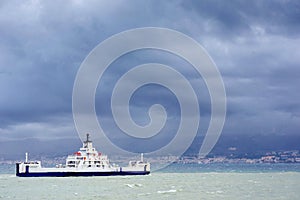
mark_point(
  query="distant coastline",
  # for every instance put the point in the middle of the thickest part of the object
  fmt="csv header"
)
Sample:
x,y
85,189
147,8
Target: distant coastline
x,y
291,156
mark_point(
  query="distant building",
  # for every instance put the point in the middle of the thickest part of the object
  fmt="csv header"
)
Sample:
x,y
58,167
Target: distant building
x,y
232,148
269,159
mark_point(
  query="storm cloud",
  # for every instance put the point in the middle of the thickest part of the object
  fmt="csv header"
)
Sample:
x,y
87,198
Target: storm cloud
x,y
254,44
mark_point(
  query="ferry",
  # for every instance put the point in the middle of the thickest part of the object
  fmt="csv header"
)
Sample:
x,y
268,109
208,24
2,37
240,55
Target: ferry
x,y
85,162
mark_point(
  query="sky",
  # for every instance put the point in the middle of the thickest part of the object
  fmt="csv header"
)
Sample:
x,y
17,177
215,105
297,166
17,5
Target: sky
x,y
254,44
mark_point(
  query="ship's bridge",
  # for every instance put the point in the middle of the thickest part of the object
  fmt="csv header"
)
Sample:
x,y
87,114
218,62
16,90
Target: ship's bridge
x,y
87,156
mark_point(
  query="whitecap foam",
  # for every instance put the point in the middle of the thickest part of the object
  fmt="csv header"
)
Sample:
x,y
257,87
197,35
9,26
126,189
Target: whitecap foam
x,y
130,185
166,191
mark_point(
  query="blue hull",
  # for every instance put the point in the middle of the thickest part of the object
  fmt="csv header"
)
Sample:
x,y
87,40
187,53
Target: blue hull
x,y
68,174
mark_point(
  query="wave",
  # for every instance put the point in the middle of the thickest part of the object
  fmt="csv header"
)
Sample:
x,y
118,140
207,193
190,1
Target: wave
x,y
134,185
167,191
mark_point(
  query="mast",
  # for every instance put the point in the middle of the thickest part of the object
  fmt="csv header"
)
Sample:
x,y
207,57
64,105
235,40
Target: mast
x,y
87,137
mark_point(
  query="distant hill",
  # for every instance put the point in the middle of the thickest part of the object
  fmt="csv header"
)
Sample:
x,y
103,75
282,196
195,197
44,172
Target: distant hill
x,y
51,148
236,145
252,145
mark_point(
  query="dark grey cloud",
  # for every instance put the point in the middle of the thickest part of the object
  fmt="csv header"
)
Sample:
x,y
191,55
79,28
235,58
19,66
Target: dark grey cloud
x,y
230,19
254,44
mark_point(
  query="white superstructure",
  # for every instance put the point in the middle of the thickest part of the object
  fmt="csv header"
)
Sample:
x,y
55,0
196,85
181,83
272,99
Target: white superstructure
x,y
85,162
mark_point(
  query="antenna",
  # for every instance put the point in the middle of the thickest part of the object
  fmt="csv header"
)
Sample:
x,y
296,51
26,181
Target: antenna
x,y
26,157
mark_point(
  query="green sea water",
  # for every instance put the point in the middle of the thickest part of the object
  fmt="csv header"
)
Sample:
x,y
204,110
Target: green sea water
x,y
273,184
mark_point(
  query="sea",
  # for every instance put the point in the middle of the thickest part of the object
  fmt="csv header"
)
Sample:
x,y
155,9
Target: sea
x,y
178,181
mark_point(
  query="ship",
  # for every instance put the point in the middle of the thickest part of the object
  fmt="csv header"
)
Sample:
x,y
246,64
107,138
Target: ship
x,y
85,162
